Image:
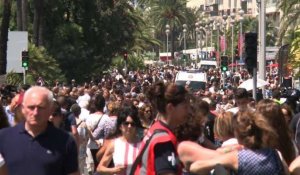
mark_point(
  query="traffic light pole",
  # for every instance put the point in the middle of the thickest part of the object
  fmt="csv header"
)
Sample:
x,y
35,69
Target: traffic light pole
x,y
254,83
24,75
262,43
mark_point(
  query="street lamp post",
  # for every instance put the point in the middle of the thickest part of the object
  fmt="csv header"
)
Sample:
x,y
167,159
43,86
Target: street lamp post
x,y
167,33
200,38
241,13
218,41
197,32
232,38
184,41
206,31
211,25
225,25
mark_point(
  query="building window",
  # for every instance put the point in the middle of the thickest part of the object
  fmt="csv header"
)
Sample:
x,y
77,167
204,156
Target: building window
x,y
220,2
249,1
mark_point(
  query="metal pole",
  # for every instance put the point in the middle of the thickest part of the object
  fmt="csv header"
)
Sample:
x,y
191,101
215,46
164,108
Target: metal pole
x,y
225,25
196,46
262,43
184,53
241,36
225,44
184,43
167,49
254,83
232,57
211,37
206,50
218,40
24,75
200,43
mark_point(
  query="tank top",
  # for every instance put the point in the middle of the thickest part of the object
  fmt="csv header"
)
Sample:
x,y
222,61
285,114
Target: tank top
x,y
125,153
259,162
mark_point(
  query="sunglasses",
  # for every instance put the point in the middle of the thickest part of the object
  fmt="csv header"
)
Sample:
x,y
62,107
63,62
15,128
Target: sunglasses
x,y
148,111
129,123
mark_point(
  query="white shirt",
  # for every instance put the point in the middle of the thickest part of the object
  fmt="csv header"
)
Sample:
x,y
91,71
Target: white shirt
x,y
125,153
100,131
232,141
1,161
84,114
85,97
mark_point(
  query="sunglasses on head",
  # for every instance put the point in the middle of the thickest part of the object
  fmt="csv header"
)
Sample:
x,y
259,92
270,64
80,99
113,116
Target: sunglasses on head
x,y
129,123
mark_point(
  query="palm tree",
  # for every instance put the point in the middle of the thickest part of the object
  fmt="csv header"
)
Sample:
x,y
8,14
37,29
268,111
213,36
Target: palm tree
x,y
38,22
4,35
143,35
171,12
22,6
290,17
295,52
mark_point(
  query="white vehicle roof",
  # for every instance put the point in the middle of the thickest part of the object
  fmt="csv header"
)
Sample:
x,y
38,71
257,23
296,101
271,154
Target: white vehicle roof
x,y
208,62
187,76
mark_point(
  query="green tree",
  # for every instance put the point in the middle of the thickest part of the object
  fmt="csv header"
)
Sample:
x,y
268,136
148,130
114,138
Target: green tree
x,y
85,35
295,52
4,35
41,64
290,17
171,12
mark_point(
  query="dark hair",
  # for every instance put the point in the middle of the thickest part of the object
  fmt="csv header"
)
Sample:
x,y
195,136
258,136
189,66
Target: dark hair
x,y
161,94
3,118
75,108
276,93
273,113
56,109
191,128
241,93
253,131
97,103
289,111
123,113
201,107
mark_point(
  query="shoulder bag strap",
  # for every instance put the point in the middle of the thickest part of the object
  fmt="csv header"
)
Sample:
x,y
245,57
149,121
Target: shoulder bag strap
x,y
97,123
138,159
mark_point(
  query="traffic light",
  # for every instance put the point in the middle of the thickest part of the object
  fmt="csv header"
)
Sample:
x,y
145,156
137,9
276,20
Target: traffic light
x,y
125,56
224,63
25,58
251,51
236,56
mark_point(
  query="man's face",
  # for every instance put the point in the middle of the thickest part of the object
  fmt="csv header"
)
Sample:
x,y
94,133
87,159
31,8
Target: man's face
x,y
36,109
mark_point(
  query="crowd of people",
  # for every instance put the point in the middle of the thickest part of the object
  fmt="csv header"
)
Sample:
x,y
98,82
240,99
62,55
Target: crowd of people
x,y
143,123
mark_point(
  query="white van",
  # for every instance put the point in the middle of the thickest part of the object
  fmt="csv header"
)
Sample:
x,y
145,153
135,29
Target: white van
x,y
207,64
195,80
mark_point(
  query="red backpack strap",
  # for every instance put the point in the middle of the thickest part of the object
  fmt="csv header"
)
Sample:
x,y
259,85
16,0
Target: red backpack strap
x,y
138,159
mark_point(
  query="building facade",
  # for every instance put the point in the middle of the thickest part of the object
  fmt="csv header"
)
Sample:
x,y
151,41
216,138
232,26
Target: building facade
x,y
221,7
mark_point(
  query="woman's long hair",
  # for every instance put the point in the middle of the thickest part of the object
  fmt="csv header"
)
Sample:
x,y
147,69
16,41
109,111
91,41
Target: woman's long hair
x,y
253,130
3,118
273,113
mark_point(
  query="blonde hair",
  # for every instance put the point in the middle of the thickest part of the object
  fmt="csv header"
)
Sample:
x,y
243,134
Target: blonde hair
x,y
223,127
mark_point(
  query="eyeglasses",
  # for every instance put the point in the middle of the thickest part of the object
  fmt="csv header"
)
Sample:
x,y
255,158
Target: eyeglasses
x,y
148,111
129,123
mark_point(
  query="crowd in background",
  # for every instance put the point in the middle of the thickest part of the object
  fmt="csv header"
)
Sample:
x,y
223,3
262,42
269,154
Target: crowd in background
x,y
112,117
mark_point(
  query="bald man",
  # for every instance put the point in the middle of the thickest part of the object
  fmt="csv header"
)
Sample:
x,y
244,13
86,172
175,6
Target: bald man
x,y
35,146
